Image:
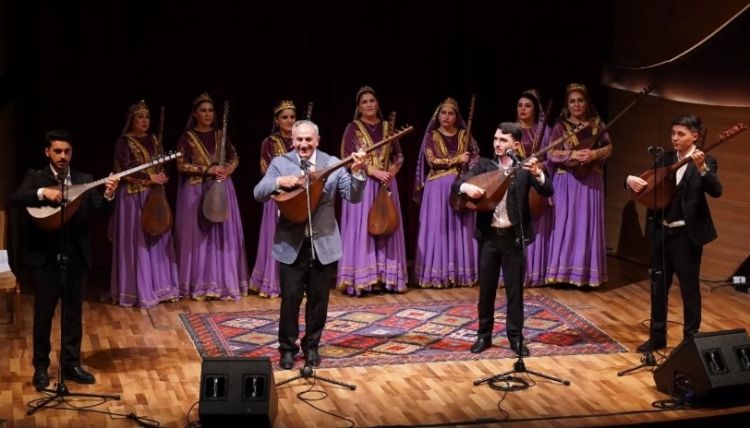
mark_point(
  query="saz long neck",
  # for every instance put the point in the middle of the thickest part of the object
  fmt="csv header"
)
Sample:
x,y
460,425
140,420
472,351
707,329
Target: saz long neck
x,y
120,174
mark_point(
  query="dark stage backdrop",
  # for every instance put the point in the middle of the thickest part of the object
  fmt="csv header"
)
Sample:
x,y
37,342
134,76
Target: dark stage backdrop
x,y
79,65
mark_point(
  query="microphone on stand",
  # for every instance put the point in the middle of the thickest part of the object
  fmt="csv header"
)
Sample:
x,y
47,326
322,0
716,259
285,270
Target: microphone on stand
x,y
62,174
512,154
62,178
306,164
655,150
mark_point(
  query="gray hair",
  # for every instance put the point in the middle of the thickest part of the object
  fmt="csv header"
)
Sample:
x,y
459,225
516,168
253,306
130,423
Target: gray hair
x,y
310,123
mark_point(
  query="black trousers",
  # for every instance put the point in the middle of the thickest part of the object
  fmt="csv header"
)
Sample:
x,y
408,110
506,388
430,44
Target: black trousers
x,y
677,255
496,251
49,289
303,277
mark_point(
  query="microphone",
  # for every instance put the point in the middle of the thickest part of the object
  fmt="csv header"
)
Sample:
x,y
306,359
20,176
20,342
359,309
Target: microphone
x,y
512,154
62,174
655,150
305,164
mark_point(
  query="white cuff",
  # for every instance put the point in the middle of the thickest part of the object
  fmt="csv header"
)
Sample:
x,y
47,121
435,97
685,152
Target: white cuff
x,y
359,175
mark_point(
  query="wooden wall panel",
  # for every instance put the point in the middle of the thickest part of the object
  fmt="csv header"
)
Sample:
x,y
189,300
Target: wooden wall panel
x,y
649,124
646,32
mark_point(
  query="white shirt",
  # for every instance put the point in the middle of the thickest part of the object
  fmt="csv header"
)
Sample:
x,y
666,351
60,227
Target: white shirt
x,y
68,182
500,218
683,168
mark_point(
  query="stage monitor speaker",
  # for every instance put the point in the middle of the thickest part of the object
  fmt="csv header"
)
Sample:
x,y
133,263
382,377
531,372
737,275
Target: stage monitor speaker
x,y
237,391
709,367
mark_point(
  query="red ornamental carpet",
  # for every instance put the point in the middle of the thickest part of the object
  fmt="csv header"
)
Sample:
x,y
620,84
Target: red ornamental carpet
x,y
399,334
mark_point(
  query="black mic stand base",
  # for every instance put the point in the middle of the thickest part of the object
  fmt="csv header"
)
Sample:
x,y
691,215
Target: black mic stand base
x,y
647,360
519,367
59,394
308,372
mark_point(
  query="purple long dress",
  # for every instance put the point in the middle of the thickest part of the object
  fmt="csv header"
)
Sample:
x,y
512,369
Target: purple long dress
x,y
446,253
577,244
368,260
537,253
265,275
211,257
144,267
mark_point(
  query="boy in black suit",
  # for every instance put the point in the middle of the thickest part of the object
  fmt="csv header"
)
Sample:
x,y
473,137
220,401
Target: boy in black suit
x,y
680,231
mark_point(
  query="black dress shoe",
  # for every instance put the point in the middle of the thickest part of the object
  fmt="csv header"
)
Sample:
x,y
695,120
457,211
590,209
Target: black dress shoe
x,y
652,344
312,358
79,375
287,360
524,349
480,345
40,379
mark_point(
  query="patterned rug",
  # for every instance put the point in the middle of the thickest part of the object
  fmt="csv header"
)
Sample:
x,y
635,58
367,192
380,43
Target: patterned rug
x,y
399,334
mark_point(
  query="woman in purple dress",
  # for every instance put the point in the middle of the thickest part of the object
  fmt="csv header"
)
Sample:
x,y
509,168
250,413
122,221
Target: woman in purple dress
x,y
530,118
265,275
446,253
211,256
144,267
577,245
371,263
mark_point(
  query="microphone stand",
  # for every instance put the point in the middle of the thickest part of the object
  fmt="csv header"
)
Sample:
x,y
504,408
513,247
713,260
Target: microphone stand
x,y
60,393
519,366
647,358
308,372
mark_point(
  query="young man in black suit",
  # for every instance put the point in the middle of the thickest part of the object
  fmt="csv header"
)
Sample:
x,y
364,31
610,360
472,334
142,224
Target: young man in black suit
x,y
500,233
42,253
680,231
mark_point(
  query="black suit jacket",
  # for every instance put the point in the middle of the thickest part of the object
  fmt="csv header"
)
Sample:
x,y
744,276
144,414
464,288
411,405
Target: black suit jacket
x,y
700,226
41,247
520,184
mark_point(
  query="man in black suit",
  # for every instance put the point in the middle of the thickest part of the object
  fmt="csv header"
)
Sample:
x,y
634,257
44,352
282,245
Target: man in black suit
x,y
680,231
503,234
42,252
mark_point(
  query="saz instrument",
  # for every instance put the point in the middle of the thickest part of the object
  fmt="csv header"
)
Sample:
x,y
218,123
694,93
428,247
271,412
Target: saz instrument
x,y
214,203
581,170
383,218
495,183
661,184
469,146
293,204
48,217
538,203
156,216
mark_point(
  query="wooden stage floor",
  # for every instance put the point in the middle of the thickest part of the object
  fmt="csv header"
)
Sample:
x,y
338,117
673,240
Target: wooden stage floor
x,y
148,358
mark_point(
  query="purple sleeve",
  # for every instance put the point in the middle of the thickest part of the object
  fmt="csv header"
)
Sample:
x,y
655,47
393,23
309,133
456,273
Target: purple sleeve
x,y
557,132
349,142
267,154
397,155
232,159
185,163
124,160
